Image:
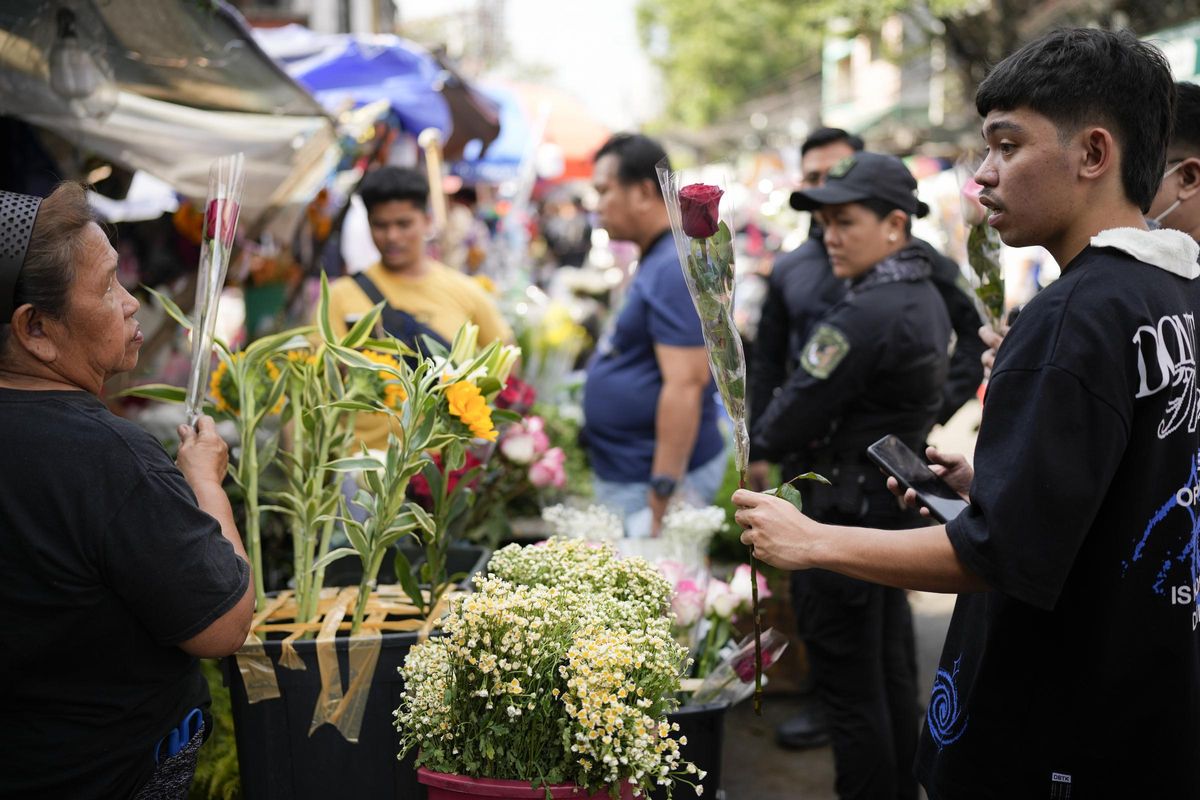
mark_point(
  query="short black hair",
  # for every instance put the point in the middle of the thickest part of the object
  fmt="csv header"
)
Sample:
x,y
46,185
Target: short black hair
x,y
386,184
826,136
637,156
1185,135
1080,76
881,208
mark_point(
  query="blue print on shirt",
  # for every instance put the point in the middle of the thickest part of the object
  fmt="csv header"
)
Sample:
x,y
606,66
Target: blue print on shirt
x,y
1186,498
944,715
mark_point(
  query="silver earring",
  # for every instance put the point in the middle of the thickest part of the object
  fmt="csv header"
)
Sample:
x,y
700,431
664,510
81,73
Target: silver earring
x,y
891,237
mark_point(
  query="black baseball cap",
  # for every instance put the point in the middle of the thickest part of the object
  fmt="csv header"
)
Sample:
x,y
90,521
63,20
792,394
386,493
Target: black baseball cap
x,y
864,176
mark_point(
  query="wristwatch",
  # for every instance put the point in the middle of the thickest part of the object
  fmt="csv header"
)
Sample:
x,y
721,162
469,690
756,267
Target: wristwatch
x,y
663,486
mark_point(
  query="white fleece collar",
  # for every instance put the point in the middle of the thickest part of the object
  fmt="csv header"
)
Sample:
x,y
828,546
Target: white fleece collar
x,y
1167,249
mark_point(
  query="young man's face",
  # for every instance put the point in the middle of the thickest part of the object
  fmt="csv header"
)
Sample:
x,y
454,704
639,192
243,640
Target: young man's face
x,y
1028,179
398,229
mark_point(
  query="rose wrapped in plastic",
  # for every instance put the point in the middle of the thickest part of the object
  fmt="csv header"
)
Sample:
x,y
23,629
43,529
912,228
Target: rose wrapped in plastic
x,y
220,220
983,253
698,204
705,247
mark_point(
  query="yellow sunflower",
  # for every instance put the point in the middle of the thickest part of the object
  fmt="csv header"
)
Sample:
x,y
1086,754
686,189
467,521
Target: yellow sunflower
x,y
386,386
467,403
224,390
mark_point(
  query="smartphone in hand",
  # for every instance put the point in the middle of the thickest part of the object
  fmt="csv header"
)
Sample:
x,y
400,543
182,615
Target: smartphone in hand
x,y
896,459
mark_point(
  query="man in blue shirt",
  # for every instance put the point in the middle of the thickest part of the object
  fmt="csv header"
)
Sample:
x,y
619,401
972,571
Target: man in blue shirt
x,y
650,418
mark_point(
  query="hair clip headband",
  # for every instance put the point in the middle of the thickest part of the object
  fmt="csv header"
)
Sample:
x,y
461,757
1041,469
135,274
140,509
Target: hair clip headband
x,y
17,215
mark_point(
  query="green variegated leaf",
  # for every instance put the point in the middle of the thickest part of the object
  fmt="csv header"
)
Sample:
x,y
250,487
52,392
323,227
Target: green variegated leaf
x,y
323,312
157,391
363,328
422,517
173,311
354,463
408,581
333,555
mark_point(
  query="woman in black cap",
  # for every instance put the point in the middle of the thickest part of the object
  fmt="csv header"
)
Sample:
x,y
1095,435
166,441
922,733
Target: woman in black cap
x,y
118,567
874,364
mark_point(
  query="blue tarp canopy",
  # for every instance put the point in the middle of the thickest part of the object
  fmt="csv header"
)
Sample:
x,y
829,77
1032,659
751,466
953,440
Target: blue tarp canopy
x,y
361,69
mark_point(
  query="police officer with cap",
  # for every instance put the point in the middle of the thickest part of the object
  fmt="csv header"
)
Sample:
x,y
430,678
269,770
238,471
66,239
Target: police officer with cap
x,y
875,363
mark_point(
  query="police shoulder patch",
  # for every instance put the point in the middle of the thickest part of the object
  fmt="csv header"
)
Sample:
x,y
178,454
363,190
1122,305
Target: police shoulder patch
x,y
824,351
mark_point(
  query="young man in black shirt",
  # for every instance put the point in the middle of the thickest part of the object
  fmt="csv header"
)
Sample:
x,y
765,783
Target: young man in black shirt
x,y
1072,666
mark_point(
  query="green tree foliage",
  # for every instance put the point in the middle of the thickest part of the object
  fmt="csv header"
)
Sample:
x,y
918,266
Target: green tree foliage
x,y
717,54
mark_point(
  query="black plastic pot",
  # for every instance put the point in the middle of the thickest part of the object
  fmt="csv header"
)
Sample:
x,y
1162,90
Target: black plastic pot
x,y
278,758
704,727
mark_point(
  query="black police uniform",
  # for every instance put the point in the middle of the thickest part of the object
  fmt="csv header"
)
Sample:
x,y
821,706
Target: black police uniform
x,y
874,363
802,288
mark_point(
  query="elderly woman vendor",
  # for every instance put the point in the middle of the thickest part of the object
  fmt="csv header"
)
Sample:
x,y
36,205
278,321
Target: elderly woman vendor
x,y
118,567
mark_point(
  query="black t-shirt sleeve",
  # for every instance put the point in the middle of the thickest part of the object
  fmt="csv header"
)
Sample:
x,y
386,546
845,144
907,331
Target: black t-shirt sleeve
x,y
1047,452
169,562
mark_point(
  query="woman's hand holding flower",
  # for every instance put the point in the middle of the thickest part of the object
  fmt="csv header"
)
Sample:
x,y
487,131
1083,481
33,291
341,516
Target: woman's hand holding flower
x,y
203,455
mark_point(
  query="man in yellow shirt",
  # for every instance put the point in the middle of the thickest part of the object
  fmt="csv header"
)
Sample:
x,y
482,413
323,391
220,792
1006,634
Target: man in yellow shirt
x,y
426,298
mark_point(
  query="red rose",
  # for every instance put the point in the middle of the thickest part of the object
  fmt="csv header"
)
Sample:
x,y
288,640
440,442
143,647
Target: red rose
x,y
698,205
516,395
228,209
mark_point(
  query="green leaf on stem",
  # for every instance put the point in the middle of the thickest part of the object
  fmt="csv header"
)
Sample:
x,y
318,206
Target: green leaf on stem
x,y
363,328
354,463
173,311
332,556
157,391
408,581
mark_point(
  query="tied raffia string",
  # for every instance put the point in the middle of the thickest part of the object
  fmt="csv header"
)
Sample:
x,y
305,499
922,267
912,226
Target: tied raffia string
x,y
757,618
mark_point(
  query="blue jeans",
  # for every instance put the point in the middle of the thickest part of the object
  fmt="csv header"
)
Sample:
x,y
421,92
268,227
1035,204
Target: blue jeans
x,y
698,487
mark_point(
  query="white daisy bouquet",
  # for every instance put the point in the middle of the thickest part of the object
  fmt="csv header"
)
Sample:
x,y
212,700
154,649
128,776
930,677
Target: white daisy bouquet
x,y
549,683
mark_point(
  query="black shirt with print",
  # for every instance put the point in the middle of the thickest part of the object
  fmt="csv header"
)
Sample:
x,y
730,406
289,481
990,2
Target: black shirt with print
x,y
1079,676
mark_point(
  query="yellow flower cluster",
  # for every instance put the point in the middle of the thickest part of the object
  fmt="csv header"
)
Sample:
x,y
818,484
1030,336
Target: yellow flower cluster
x,y
224,391
391,392
467,403
302,356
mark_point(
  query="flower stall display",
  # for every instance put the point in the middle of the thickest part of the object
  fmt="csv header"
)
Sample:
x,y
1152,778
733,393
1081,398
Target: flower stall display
x,y
559,670
512,477
318,652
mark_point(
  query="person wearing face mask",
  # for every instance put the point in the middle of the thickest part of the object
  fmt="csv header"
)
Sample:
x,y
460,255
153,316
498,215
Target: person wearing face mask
x,y
875,363
1176,206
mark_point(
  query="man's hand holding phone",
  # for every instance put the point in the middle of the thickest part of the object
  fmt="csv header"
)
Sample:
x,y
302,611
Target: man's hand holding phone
x,y
951,468
930,491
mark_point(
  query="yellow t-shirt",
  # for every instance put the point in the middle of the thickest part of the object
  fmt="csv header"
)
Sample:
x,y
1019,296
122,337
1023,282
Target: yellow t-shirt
x,y
441,298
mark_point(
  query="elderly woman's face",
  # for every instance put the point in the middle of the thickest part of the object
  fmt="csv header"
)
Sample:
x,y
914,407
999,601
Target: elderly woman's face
x,y
100,337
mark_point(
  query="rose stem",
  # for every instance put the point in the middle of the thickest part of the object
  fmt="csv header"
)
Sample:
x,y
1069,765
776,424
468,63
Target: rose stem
x,y
757,618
